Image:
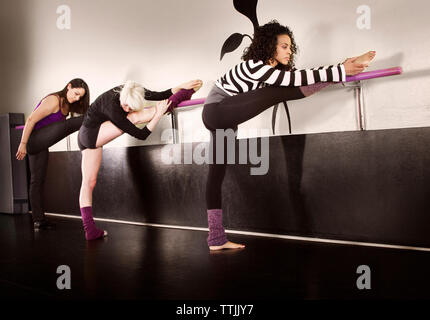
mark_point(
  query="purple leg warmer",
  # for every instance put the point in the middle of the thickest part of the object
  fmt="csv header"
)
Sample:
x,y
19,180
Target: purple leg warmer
x,y
216,230
311,89
91,232
178,97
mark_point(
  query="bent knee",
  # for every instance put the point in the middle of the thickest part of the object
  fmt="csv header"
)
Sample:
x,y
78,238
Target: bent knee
x,y
89,183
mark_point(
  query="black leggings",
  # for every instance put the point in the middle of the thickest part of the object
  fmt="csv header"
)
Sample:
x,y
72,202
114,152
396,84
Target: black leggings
x,y
43,138
37,148
228,114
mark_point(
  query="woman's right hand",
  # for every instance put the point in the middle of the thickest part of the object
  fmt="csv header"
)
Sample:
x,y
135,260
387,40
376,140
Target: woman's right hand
x,y
162,106
352,68
22,151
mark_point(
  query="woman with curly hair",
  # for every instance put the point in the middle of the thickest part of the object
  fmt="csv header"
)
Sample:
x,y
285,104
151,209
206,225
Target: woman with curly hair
x,y
45,126
265,77
114,112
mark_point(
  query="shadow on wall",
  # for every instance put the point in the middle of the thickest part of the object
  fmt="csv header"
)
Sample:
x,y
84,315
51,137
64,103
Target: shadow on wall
x,y
416,74
393,61
294,165
14,55
313,36
134,73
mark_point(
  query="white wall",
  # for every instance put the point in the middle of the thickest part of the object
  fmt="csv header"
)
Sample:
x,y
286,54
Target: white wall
x,y
163,43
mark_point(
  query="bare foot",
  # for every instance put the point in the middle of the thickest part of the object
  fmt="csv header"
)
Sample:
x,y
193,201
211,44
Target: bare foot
x,y
366,58
227,245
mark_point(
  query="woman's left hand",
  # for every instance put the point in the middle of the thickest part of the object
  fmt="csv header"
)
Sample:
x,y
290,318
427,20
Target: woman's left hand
x,y
162,107
22,151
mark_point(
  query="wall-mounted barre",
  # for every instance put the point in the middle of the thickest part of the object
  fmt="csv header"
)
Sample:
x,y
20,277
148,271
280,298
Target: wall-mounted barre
x,y
357,78
358,88
361,76
375,74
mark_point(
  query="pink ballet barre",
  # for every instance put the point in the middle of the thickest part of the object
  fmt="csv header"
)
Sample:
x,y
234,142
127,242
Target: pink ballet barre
x,y
191,102
361,76
359,89
375,74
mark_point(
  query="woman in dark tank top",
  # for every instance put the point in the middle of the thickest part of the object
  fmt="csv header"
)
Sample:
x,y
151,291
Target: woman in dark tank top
x,y
45,126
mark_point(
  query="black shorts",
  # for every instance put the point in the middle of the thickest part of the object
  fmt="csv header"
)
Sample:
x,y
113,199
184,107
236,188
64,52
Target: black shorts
x,y
87,137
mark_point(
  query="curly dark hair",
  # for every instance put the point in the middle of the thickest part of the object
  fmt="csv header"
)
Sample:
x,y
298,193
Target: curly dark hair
x,y
263,46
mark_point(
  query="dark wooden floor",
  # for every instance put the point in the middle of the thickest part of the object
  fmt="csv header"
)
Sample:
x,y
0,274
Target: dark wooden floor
x,y
137,262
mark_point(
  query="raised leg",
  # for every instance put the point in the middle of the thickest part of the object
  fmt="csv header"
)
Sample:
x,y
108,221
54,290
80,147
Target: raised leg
x,y
47,136
108,131
178,97
234,110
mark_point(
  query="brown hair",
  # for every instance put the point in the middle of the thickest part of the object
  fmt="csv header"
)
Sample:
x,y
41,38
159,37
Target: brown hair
x,y
81,106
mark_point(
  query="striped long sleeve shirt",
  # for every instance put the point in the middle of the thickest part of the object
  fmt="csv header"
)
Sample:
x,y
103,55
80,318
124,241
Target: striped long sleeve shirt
x,y
250,75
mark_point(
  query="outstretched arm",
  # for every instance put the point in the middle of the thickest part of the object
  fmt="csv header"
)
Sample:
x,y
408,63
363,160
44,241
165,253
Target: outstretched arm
x,y
157,95
125,123
258,71
161,108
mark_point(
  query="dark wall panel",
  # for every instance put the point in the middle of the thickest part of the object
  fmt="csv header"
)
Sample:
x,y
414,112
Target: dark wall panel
x,y
13,173
365,186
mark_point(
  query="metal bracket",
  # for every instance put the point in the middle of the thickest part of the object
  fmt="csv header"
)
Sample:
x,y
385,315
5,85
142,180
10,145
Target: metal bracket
x,y
174,120
274,113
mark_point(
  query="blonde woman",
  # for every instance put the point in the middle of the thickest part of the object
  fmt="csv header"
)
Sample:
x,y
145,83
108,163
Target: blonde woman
x,y
114,112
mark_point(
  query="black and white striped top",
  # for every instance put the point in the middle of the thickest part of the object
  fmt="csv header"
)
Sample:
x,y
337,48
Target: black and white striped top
x,y
250,75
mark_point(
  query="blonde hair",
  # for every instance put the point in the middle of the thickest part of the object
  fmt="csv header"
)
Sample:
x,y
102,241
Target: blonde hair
x,y
133,95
